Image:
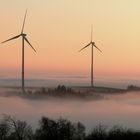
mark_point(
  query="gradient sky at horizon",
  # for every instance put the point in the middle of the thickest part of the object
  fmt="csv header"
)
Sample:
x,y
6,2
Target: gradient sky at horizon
x,y
59,28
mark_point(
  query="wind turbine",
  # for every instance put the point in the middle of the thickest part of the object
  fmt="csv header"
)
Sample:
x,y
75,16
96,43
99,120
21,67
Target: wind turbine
x,y
24,38
92,44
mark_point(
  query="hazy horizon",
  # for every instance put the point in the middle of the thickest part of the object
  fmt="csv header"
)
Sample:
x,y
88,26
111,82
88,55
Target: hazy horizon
x,y
70,81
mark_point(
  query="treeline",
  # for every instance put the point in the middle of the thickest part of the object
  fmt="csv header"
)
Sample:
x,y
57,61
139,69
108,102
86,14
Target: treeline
x,y
62,91
61,129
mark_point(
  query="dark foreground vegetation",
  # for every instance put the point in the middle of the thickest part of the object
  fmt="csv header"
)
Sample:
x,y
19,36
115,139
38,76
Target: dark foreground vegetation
x,y
61,129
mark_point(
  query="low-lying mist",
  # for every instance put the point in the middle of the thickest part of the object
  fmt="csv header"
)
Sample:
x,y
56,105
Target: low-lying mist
x,y
122,108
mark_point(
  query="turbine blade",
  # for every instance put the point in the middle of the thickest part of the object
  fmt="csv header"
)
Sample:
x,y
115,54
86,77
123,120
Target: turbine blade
x,y
29,43
84,47
91,32
97,48
11,38
24,21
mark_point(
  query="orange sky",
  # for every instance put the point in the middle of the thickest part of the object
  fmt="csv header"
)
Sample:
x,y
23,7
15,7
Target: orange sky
x,y
59,28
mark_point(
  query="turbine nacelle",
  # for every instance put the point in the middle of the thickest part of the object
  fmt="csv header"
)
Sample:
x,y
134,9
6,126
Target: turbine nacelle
x,y
22,34
93,43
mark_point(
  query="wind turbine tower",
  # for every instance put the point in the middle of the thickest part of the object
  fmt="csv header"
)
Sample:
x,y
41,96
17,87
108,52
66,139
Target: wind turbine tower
x,y
92,44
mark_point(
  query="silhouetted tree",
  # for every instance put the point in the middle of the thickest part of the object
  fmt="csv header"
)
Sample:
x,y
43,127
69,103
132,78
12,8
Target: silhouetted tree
x,y
47,130
120,133
4,130
80,131
43,90
60,129
98,133
66,129
61,88
20,130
